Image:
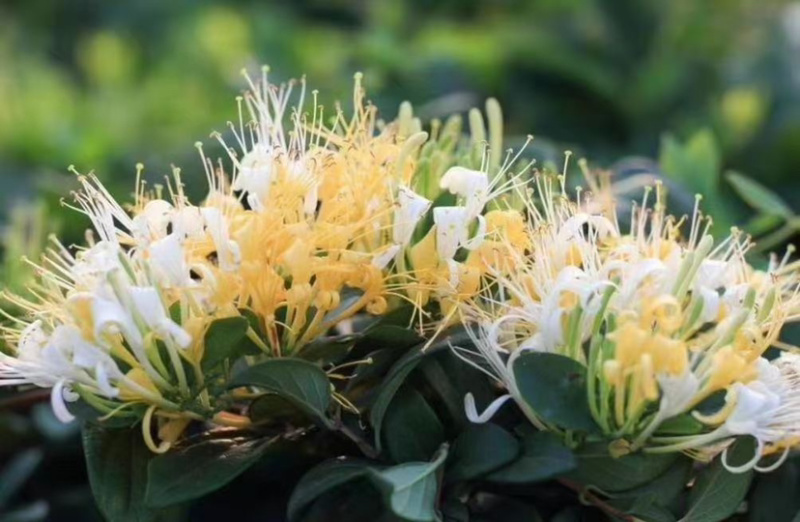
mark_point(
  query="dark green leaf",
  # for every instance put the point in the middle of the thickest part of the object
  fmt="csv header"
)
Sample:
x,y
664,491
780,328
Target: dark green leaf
x,y
301,382
397,375
117,460
554,386
488,507
717,493
222,339
389,335
597,468
412,429
327,350
320,480
543,457
776,495
681,425
187,473
653,499
479,450
412,489
273,409
758,196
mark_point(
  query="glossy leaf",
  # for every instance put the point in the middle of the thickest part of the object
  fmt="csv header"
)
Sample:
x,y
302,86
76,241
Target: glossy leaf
x,y
321,479
596,467
222,339
554,386
398,374
117,460
412,489
717,493
412,429
479,450
191,472
543,457
301,382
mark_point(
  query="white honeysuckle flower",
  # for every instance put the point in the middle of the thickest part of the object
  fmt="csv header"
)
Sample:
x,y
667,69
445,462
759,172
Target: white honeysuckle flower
x,y
472,185
677,393
573,227
255,174
168,259
150,308
96,263
712,304
152,223
477,240
188,223
451,230
228,252
59,360
111,317
409,209
383,258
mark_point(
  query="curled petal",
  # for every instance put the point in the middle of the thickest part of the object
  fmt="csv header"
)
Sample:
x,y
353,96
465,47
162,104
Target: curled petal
x,y
747,466
58,403
472,411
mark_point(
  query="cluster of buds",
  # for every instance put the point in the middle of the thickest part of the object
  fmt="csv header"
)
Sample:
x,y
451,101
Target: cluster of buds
x,y
663,320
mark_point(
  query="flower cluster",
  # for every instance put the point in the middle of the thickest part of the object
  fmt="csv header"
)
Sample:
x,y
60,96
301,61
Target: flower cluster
x,y
320,220
665,321
323,219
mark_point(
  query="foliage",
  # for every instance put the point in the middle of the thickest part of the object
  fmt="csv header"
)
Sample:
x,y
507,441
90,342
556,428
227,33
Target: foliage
x,y
131,83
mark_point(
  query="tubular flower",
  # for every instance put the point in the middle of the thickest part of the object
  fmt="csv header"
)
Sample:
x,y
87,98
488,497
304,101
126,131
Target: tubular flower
x,y
315,223
662,318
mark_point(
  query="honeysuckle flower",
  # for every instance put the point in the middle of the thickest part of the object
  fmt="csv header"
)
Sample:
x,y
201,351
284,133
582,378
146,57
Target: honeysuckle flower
x,y
661,321
410,209
451,230
314,224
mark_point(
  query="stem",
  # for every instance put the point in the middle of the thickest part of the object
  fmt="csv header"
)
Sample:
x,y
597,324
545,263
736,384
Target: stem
x,y
594,500
365,447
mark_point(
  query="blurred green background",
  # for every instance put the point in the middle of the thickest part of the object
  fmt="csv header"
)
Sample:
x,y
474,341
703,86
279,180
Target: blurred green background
x,y
700,88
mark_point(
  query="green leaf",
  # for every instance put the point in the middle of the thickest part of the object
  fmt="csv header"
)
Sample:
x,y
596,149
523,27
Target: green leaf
x,y
554,386
330,350
191,472
758,196
397,375
597,468
479,450
301,382
412,489
490,507
320,480
222,339
412,429
653,499
274,409
543,457
695,164
717,493
385,335
776,495
117,460
681,425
